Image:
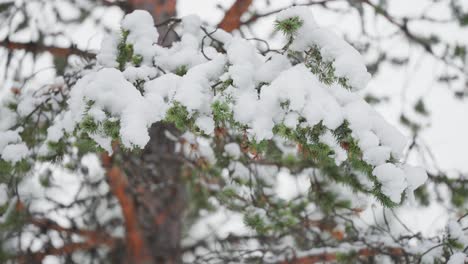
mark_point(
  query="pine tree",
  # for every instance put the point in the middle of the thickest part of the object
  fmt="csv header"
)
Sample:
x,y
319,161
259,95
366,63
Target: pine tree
x,y
175,124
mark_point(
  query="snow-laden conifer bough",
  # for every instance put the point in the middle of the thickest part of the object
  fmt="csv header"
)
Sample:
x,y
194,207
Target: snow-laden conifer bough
x,y
237,106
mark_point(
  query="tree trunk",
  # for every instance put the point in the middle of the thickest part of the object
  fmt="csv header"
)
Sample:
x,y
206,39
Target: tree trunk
x,y
154,177
159,195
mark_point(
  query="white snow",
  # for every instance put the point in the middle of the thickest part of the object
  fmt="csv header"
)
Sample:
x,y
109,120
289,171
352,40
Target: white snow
x,y
366,139
196,148
142,34
393,180
3,194
7,137
194,90
206,124
110,91
108,53
457,258
268,71
8,117
27,104
456,232
340,154
132,74
377,155
233,150
415,176
15,152
347,61
290,186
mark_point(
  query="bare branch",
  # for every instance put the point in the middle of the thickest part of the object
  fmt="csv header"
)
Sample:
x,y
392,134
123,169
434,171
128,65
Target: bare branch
x,y
40,48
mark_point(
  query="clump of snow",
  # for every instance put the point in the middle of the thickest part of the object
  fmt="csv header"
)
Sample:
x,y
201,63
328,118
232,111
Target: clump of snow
x,y
302,91
3,194
244,59
103,141
196,148
371,128
366,139
55,132
389,135
194,91
233,150
11,147
377,155
191,24
466,64
27,104
7,137
457,258
15,152
347,61
290,186
456,232
110,91
206,124
393,180
271,68
340,154
415,176
142,34
108,53
132,74
181,54
8,117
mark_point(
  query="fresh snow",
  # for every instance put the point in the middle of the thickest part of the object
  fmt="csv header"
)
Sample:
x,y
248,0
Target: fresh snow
x,y
233,150
457,258
15,152
3,194
393,180
347,61
142,34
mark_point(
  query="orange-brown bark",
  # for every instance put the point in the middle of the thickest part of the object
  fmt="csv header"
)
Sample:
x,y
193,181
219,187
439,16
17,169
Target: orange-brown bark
x,y
232,18
39,48
138,251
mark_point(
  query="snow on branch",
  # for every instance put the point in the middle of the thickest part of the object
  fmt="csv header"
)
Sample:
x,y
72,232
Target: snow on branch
x,y
305,94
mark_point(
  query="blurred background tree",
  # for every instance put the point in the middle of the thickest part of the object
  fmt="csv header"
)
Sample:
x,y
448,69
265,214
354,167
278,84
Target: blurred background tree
x,y
421,47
